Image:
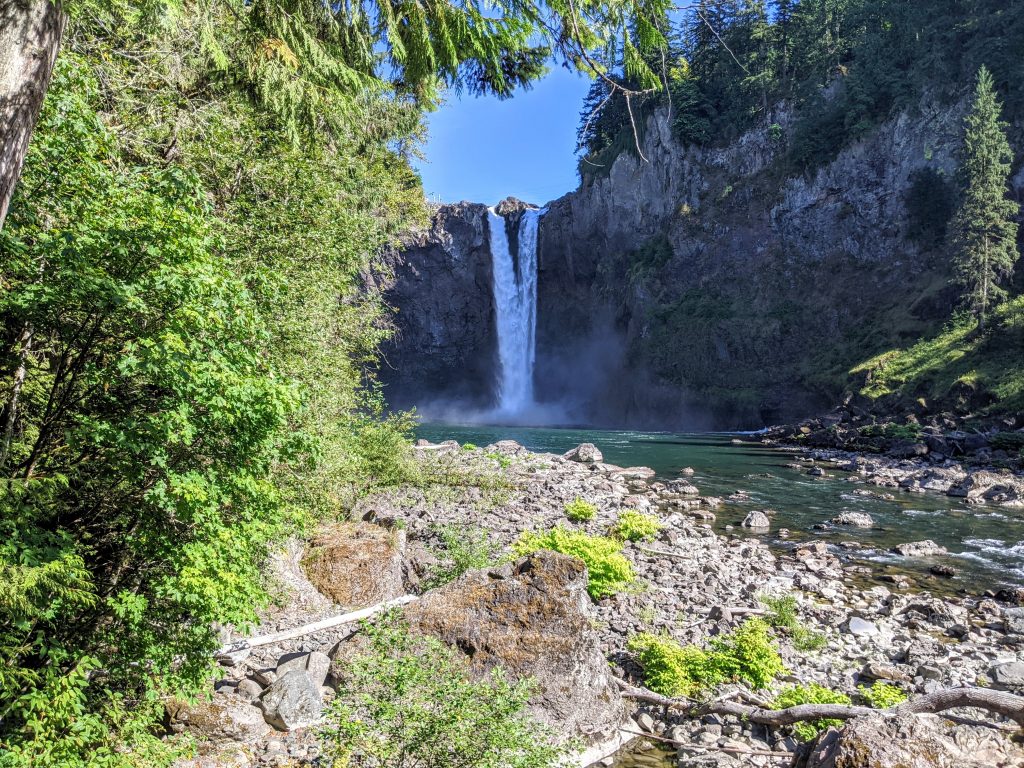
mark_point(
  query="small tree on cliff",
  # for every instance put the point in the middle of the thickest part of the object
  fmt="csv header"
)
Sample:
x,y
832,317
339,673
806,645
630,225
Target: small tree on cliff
x,y
984,230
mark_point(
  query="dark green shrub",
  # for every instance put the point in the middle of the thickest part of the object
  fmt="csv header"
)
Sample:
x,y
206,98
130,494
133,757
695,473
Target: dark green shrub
x,y
930,201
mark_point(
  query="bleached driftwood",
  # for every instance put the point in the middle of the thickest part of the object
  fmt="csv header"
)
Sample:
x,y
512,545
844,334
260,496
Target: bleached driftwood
x,y
245,644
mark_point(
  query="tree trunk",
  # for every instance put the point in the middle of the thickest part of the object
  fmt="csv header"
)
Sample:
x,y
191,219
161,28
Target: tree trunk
x,y
30,33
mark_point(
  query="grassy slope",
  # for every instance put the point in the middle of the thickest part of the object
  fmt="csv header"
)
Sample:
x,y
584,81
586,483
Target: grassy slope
x,y
957,367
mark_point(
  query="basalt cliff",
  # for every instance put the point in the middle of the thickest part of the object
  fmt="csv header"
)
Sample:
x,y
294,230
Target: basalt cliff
x,y
694,287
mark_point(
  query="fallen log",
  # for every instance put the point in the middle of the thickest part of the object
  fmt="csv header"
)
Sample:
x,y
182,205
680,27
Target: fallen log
x,y
1001,703
1008,705
307,629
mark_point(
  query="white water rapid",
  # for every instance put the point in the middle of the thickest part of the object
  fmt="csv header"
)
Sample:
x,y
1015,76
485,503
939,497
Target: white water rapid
x,y
515,303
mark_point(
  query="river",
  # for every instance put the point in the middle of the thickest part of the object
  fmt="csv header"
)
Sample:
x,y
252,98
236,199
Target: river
x,y
986,544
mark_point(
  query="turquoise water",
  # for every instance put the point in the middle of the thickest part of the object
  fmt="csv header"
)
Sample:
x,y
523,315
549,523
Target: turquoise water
x,y
986,544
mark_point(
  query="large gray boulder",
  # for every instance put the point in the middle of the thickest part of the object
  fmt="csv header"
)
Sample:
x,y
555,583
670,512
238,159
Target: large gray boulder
x,y
907,741
292,701
854,519
926,548
585,453
314,664
531,618
223,720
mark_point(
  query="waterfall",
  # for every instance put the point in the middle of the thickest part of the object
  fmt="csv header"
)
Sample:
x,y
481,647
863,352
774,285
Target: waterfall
x,y
515,305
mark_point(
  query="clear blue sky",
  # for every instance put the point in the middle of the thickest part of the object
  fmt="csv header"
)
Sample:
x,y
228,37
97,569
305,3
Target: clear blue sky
x,y
484,150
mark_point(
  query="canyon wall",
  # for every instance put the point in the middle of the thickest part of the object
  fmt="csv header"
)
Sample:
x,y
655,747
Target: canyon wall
x,y
703,287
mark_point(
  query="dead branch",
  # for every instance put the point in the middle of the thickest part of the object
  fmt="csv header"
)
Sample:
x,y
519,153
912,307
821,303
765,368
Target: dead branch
x,y
1008,705
308,629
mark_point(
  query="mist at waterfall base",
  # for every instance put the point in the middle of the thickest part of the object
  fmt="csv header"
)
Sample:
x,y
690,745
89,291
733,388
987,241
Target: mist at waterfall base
x,y
583,382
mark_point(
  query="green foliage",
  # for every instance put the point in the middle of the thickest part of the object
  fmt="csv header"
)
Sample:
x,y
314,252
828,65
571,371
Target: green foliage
x,y
846,65
810,694
463,548
985,226
882,695
469,447
144,437
579,511
746,654
782,614
891,431
503,461
407,701
636,526
608,571
957,366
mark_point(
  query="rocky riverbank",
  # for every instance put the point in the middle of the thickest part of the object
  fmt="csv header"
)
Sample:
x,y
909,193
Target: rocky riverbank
x,y
533,616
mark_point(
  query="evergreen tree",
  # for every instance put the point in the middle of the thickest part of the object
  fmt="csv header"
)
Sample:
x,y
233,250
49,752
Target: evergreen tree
x,y
984,230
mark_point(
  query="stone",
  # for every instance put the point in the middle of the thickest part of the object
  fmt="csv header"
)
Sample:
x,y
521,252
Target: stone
x,y
855,519
315,664
646,722
584,453
292,701
945,571
906,741
926,548
1013,621
221,720
861,628
878,671
756,520
1007,676
357,564
533,619
248,689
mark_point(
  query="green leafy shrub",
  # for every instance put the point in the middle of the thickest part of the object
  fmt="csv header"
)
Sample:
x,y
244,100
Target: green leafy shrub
x,y
747,654
463,548
930,202
810,694
580,511
636,526
608,571
407,701
882,695
468,447
782,614
503,461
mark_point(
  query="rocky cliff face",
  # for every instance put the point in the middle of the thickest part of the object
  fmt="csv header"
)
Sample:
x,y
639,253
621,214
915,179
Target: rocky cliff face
x,y
439,283
706,287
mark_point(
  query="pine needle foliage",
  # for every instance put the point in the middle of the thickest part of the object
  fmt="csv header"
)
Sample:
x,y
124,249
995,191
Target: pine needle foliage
x,y
984,232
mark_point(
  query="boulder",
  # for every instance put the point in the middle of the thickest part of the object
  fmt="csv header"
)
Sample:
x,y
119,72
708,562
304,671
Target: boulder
x,y
357,564
1013,621
855,519
991,488
925,548
756,520
292,701
224,719
906,741
315,664
585,453
531,618
1008,676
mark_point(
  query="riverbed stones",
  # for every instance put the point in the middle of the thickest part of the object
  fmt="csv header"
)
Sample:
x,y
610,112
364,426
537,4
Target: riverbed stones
x,y
585,453
292,701
854,519
925,548
532,618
